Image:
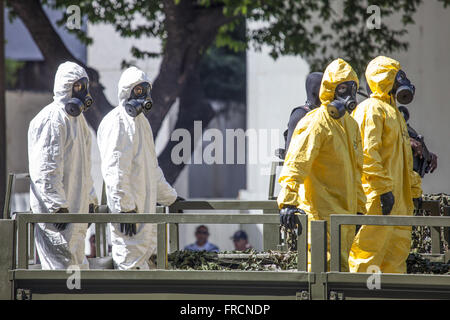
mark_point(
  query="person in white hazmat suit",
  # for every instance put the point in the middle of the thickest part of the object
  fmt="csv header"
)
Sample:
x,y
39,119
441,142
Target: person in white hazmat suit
x,y
133,179
59,151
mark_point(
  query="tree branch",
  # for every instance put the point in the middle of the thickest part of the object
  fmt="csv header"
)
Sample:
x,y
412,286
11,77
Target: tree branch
x,y
55,52
187,41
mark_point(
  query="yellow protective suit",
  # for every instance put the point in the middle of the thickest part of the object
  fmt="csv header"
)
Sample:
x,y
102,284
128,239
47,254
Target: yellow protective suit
x,y
322,169
388,166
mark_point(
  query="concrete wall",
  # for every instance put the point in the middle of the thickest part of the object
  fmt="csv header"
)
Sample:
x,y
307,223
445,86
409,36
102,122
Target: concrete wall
x,y
21,108
427,64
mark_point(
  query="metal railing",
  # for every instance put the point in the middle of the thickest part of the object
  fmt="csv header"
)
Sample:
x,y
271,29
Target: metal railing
x,y
273,178
25,219
101,245
336,221
12,177
319,284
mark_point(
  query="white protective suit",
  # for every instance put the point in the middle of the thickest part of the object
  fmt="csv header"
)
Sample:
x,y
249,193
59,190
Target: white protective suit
x,y
133,178
59,153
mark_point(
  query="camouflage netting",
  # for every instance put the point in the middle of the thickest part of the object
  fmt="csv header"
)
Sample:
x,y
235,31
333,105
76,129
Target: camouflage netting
x,y
417,264
421,236
275,260
233,260
290,238
421,243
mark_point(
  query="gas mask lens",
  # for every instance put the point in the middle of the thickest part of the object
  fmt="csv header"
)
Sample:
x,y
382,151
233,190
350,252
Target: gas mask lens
x,y
345,89
77,87
342,89
138,91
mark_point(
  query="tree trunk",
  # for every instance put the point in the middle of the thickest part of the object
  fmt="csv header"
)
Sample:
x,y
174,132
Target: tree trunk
x,y
187,41
193,107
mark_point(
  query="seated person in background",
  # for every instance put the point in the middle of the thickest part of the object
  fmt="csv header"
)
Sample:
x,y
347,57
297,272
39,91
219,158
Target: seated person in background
x,y
240,240
202,244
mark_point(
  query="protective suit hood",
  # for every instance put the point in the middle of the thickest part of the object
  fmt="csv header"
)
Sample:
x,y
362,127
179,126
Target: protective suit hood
x,y
129,78
67,74
380,75
336,72
312,85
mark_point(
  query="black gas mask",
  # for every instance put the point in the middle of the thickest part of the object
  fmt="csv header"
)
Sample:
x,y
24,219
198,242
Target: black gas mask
x,y
403,89
344,99
140,100
81,99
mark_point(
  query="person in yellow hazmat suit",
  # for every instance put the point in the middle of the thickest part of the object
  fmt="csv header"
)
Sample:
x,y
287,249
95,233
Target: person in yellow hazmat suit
x,y
322,169
388,178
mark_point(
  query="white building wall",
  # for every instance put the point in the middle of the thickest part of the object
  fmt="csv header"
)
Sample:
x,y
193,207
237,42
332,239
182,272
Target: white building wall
x,y
427,64
274,88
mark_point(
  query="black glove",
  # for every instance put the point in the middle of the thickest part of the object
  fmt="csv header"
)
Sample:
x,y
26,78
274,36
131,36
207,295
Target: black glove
x,y
288,216
432,164
179,199
387,202
61,226
128,229
92,208
417,203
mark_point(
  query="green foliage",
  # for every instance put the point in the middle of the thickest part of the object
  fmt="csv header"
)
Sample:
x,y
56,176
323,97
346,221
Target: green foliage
x,y
421,236
223,70
139,54
223,75
121,14
290,238
322,30
318,30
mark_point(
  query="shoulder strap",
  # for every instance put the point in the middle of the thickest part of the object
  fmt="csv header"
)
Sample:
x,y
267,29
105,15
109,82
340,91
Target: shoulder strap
x,y
304,108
